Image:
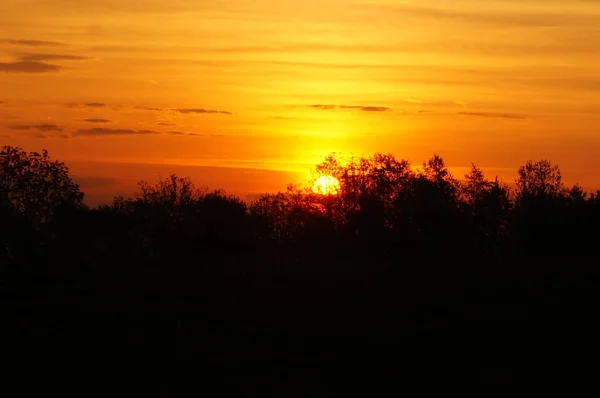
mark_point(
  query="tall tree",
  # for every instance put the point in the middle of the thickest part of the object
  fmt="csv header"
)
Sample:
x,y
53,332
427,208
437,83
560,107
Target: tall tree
x,y
539,179
35,186
488,207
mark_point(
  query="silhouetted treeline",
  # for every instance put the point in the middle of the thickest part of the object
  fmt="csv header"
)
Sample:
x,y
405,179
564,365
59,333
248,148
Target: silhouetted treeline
x,y
403,274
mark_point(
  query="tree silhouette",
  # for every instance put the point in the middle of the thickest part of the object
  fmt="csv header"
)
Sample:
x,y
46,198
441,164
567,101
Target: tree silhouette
x,y
33,185
400,261
488,205
285,215
34,190
576,195
174,192
538,201
539,179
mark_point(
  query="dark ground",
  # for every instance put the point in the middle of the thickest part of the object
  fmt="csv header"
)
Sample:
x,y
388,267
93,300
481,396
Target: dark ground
x,y
251,336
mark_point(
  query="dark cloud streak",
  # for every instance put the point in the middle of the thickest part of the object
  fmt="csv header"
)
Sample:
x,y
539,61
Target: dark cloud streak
x,y
182,133
148,108
183,111
200,111
40,127
96,120
87,105
356,107
110,132
494,114
28,57
28,67
33,43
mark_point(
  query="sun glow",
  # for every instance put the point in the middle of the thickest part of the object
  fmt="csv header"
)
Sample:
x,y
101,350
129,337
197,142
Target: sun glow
x,y
326,185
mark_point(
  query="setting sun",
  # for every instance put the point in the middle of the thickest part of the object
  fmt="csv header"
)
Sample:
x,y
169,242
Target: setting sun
x,y
326,185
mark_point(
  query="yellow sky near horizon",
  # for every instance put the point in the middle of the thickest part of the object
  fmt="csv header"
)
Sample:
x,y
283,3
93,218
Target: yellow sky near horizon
x,y
277,85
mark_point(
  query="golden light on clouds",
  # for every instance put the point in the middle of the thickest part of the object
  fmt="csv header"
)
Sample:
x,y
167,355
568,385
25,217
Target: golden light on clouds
x,y
276,85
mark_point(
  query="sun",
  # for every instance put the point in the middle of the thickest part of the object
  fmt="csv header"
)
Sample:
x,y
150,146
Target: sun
x,y
326,185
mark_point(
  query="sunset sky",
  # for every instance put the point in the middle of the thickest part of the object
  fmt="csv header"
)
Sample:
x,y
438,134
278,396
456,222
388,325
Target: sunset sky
x,y
247,95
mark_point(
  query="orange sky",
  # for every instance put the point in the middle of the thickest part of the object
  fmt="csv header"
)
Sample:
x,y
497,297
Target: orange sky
x,y
127,90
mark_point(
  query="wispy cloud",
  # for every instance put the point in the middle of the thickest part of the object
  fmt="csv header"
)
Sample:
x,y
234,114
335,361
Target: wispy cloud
x,y
434,103
87,105
36,63
491,17
33,43
367,108
324,107
148,108
200,111
182,133
356,107
109,132
96,120
166,124
50,57
493,114
28,67
39,127
183,111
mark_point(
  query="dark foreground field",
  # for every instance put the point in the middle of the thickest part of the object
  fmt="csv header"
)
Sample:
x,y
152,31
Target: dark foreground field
x,y
317,336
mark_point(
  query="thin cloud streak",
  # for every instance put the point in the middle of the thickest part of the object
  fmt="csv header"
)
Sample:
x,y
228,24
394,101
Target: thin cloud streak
x,y
96,120
28,57
367,108
40,127
180,133
494,115
183,111
201,111
28,67
148,108
32,43
526,19
112,132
